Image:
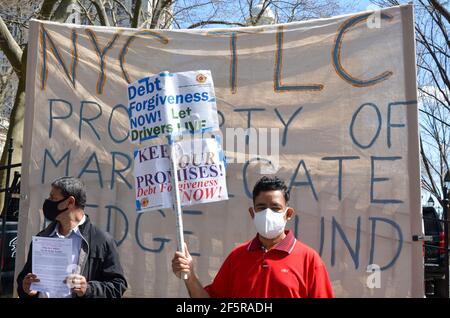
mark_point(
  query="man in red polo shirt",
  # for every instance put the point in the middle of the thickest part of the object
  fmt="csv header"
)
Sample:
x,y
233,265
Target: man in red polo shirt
x,y
273,264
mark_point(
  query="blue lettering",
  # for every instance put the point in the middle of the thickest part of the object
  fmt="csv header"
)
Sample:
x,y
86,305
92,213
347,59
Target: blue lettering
x,y
354,253
51,101
56,163
161,240
355,115
88,120
286,125
374,179
110,208
294,183
96,171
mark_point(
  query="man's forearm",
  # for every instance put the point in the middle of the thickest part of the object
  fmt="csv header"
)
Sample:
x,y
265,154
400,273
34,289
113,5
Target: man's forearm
x,y
195,288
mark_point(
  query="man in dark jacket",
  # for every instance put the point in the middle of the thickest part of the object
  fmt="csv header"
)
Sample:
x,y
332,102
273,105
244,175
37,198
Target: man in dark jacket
x,y
94,252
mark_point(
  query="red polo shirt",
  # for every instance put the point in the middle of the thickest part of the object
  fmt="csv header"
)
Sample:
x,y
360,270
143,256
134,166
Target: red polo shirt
x,y
290,269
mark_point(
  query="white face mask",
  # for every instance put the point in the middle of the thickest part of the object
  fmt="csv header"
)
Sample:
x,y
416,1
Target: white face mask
x,y
269,224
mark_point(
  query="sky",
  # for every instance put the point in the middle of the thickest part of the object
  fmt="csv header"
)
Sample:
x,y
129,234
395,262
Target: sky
x,y
355,5
363,4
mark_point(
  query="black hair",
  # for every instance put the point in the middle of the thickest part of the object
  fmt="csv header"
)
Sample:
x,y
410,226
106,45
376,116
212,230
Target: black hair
x,y
71,186
270,184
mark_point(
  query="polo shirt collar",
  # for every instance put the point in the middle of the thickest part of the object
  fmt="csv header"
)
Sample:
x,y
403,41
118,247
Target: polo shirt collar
x,y
75,230
286,245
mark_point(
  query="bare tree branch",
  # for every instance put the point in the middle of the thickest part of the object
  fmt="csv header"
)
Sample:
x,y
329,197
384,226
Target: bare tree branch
x,y
157,10
442,10
260,14
190,8
4,81
427,166
101,11
46,9
434,96
10,48
434,46
426,185
436,118
124,8
172,18
136,14
61,13
86,12
439,66
202,23
113,15
434,14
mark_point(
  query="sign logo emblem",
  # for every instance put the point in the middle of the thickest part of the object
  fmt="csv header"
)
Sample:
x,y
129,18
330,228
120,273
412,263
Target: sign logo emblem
x,y
144,202
201,78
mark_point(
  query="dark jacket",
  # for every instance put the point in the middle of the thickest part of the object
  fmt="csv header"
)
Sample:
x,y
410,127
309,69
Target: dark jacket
x,y
99,263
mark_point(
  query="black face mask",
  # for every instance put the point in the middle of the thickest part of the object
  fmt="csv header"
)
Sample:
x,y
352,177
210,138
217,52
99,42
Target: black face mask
x,y
51,210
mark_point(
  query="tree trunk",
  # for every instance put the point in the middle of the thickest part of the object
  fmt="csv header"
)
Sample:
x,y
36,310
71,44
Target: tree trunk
x,y
18,60
15,130
61,13
10,47
101,12
137,13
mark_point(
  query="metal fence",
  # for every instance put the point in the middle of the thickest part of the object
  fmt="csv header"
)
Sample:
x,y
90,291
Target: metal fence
x,y
11,191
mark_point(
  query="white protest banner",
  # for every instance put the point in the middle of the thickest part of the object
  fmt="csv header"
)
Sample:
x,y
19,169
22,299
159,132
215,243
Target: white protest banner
x,y
172,103
341,93
200,173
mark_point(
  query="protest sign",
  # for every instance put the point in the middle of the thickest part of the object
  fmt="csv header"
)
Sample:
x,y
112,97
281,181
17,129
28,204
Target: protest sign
x,y
171,104
200,173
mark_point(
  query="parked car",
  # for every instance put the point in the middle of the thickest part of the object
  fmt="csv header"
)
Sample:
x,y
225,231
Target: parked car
x,y
434,252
